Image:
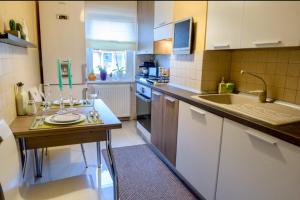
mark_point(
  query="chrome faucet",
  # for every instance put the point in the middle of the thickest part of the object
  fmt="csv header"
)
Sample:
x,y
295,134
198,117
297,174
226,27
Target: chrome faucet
x,y
262,94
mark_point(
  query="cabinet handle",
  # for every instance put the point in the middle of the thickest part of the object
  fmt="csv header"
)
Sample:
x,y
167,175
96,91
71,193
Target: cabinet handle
x,y
200,112
1,139
257,43
170,99
224,45
261,137
156,93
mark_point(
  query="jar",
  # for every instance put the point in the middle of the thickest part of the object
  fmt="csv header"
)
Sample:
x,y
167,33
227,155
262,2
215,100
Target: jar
x,y
31,107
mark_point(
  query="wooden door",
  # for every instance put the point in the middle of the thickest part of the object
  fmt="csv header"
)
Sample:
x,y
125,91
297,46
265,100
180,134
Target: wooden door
x,y
170,124
157,119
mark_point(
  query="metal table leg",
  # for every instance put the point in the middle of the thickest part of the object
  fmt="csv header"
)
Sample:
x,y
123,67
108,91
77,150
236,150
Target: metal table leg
x,y
38,163
83,153
111,161
98,146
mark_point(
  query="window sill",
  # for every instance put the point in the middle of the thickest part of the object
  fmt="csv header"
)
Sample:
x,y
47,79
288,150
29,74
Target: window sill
x,y
111,81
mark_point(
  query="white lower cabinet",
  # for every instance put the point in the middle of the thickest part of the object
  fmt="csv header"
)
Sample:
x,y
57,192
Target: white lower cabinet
x,y
198,148
254,165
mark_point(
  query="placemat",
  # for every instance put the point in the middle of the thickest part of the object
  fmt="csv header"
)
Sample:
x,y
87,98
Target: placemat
x,y
38,123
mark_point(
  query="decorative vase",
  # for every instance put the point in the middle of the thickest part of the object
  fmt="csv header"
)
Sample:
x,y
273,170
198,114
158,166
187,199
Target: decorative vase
x,y
103,75
21,100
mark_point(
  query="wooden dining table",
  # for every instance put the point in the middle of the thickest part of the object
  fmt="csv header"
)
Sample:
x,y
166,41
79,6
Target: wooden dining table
x,y
34,139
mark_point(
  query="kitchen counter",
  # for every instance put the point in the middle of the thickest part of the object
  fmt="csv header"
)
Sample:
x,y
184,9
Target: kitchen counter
x,y
288,132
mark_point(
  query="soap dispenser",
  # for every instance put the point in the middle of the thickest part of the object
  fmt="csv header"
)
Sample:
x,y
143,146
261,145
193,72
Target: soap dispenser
x,y
222,87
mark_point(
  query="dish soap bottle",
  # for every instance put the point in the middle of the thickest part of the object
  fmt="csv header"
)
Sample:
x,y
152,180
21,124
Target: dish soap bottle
x,y
222,87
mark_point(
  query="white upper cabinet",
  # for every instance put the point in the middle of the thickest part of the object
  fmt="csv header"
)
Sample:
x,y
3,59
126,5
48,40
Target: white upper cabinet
x,y
252,24
271,24
163,13
254,165
224,20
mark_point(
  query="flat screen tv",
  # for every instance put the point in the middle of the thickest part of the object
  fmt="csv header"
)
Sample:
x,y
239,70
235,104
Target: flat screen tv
x,y
182,40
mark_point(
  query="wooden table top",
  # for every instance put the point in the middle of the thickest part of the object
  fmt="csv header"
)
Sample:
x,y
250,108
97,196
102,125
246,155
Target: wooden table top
x,y
21,125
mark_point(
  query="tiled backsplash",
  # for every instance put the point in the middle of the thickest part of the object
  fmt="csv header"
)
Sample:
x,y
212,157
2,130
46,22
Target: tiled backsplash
x,y
280,68
216,64
186,70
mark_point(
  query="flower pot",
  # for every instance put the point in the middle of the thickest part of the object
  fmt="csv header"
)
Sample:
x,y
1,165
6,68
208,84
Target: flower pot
x,y
103,75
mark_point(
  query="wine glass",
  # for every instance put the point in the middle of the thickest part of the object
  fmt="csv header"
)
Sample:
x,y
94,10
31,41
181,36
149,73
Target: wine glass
x,y
92,94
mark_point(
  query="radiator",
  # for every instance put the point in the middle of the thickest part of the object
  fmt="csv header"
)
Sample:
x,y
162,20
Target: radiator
x,y
116,97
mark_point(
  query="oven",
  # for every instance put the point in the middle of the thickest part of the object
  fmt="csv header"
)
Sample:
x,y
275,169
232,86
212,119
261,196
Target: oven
x,y
143,109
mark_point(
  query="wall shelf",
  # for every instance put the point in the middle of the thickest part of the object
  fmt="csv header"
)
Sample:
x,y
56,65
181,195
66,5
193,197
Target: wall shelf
x,y
15,41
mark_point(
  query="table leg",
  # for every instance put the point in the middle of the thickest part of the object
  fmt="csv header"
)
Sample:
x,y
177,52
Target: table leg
x,y
23,152
83,154
98,146
37,163
112,163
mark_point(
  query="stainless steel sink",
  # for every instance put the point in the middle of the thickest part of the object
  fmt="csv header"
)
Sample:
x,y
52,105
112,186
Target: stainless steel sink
x,y
227,98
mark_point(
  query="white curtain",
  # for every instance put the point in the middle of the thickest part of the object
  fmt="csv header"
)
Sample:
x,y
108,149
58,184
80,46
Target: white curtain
x,y
111,25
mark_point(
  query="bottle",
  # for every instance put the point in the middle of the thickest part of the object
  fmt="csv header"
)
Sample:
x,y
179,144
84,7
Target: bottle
x,y
21,99
222,87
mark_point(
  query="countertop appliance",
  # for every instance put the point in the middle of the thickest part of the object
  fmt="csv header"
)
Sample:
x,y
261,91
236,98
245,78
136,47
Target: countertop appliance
x,y
143,109
182,42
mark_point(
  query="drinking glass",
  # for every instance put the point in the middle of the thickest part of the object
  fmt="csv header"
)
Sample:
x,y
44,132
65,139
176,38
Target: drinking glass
x,y
92,94
31,107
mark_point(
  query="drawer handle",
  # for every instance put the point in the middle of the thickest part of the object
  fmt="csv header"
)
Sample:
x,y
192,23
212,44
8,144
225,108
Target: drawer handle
x,y
257,43
1,140
156,93
200,112
170,99
261,137
224,45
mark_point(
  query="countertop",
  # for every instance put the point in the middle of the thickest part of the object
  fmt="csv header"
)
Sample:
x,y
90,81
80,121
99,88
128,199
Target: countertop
x,y
288,132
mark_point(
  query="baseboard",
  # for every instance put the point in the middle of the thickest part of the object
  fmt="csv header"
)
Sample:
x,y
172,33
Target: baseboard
x,y
124,118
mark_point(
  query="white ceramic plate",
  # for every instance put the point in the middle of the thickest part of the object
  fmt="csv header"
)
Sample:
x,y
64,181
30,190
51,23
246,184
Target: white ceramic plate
x,y
67,117
67,102
50,120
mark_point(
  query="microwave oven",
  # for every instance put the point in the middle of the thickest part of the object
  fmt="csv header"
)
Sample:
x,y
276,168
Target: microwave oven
x,y
182,39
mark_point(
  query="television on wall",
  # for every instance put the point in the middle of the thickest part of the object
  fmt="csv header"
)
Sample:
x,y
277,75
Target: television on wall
x,y
182,40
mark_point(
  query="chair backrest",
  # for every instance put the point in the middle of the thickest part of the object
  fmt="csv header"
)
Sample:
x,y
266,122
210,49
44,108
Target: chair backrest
x,y
10,171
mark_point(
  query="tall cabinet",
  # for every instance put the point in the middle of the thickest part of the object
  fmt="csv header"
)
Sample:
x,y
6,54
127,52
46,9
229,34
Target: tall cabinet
x,y
164,120
145,16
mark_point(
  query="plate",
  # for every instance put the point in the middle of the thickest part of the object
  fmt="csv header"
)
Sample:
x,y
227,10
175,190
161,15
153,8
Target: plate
x,y
49,120
67,117
67,102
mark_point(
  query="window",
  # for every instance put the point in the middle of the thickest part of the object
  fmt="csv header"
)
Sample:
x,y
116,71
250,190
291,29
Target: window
x,y
111,60
111,33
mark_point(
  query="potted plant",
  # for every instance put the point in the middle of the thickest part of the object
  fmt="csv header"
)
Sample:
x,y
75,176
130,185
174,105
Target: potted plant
x,y
103,72
119,70
92,76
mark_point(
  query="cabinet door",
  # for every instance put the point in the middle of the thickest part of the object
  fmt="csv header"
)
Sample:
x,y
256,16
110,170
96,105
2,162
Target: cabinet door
x,y
145,11
163,13
157,119
271,24
254,165
198,147
170,123
224,24
163,32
